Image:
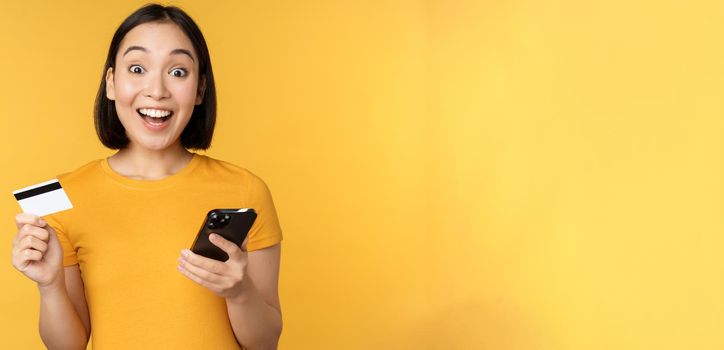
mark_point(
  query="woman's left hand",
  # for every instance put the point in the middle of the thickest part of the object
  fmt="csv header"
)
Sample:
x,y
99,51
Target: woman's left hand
x,y
225,279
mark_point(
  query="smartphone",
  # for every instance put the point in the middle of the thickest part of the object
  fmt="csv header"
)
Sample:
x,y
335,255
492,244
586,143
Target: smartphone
x,y
232,224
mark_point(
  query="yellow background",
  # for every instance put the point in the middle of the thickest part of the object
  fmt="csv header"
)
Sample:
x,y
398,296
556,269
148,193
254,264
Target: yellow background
x,y
448,174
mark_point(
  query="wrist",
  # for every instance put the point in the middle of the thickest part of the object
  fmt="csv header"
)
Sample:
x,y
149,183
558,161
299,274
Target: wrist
x,y
247,290
53,287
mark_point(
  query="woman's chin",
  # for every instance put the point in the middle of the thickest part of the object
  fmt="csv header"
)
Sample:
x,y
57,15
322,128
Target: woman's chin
x,y
153,145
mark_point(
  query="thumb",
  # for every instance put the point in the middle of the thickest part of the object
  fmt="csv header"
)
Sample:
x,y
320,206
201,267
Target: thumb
x,y
23,219
227,246
243,244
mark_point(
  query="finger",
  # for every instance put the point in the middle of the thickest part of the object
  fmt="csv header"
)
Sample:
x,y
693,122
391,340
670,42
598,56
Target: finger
x,y
30,242
202,262
203,274
28,218
30,230
32,255
24,234
25,257
200,281
227,246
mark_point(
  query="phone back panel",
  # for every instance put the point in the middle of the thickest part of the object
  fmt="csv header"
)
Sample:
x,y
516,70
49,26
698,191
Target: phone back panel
x,y
235,230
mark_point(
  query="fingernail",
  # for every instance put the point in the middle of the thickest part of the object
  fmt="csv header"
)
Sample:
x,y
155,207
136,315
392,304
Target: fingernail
x,y
185,253
41,222
212,236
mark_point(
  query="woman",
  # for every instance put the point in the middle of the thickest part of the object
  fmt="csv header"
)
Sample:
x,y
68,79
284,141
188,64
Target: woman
x,y
112,263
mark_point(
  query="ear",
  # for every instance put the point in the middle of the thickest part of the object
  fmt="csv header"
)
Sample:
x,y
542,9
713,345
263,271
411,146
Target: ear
x,y
201,91
110,87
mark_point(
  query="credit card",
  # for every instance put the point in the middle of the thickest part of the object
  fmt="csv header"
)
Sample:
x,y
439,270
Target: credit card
x,y
43,199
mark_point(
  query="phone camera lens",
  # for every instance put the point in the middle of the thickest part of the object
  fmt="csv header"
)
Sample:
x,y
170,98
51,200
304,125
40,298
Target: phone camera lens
x,y
218,220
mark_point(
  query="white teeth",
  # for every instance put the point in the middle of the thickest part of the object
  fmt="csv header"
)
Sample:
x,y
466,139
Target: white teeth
x,y
154,113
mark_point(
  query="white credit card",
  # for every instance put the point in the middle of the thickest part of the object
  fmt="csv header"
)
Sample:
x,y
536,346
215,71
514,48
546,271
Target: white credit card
x,y
43,199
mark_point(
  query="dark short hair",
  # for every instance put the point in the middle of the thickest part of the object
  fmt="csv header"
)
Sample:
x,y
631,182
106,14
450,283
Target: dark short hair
x,y
200,129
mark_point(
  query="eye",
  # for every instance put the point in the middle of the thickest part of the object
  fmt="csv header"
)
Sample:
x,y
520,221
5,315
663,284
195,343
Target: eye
x,y
136,69
178,72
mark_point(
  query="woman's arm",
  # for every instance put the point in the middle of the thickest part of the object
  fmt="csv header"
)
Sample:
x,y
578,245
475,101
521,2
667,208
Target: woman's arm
x,y
64,319
255,314
248,282
37,253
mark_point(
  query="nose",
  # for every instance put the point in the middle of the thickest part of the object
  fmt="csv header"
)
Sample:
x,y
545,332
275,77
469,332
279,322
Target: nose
x,y
156,87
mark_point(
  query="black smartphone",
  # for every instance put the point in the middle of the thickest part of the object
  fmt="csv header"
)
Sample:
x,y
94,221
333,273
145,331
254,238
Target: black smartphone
x,y
232,224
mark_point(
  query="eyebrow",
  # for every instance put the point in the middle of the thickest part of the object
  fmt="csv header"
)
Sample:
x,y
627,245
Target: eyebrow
x,y
173,52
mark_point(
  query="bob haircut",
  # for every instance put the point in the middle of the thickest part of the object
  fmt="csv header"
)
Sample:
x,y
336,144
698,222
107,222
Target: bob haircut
x,y
200,129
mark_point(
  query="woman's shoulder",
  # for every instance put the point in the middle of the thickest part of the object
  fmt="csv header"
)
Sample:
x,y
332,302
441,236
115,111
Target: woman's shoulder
x,y
223,168
81,173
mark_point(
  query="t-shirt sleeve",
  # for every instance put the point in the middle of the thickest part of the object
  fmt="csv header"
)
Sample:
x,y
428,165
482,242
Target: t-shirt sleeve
x,y
69,256
265,232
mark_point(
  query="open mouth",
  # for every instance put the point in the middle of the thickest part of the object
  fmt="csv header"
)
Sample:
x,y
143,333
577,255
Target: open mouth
x,y
154,116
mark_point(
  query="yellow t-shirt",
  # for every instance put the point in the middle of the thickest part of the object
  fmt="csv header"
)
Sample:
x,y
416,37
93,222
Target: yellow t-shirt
x,y
127,234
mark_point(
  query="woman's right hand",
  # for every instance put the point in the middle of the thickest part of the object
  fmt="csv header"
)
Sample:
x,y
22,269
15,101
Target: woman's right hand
x,y
36,250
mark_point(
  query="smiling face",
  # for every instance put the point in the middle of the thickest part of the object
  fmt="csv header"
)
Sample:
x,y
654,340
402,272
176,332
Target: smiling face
x,y
155,84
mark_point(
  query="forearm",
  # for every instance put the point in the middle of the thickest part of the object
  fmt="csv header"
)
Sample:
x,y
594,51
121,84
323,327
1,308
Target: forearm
x,y
60,326
256,324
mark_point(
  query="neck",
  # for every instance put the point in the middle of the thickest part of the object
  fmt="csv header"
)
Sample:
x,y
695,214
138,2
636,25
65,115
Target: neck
x,y
145,164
